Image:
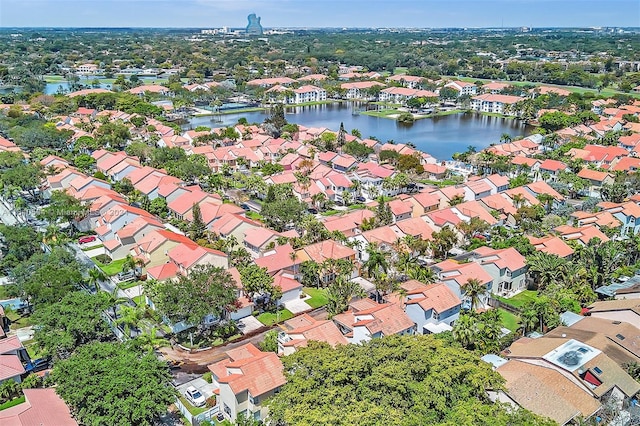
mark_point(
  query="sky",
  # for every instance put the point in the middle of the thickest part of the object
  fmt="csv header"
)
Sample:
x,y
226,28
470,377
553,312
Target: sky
x,y
320,13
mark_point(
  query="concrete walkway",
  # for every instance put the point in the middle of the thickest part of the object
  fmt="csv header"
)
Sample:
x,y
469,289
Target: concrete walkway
x,y
249,324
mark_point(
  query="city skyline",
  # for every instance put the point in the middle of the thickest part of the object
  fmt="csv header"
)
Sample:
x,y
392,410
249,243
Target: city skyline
x,y
318,14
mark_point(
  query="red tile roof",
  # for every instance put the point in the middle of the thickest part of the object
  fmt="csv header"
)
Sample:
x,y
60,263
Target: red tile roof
x,y
42,407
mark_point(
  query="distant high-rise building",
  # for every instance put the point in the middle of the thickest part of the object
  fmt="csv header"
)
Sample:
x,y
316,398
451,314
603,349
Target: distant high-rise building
x,y
254,27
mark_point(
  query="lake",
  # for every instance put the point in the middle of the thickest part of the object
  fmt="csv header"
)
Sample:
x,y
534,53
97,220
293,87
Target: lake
x,y
440,136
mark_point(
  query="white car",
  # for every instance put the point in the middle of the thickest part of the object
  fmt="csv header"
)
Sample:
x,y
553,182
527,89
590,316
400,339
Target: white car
x,y
195,397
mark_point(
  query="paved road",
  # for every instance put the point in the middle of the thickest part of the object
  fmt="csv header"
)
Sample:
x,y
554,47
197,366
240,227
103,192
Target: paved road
x,y
6,213
197,362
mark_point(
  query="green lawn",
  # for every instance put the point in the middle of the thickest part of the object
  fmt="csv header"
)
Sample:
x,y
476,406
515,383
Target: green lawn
x,y
270,318
520,299
12,403
509,320
139,300
112,268
253,215
17,320
193,410
384,113
318,297
32,348
93,247
129,284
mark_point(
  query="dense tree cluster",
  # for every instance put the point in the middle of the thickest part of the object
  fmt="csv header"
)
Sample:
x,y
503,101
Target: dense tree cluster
x,y
394,380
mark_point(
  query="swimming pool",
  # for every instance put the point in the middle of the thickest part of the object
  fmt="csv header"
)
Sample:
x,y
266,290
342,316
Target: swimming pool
x,y
14,304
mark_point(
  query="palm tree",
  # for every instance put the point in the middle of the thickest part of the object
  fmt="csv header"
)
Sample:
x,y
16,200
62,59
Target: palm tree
x,y
377,262
518,200
528,321
96,275
318,200
546,268
474,291
129,318
131,264
464,330
149,341
422,273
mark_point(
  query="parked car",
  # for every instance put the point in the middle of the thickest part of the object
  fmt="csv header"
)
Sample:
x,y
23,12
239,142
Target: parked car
x,y
360,199
245,207
194,396
312,211
220,417
87,239
126,276
38,365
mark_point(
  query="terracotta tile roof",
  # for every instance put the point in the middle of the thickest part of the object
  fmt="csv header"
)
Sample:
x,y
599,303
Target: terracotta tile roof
x,y
436,296
383,235
426,199
258,372
551,245
229,221
278,259
10,366
473,209
286,282
42,407
184,203
416,227
504,99
542,187
500,203
187,254
163,272
461,272
157,238
508,258
257,237
329,249
546,392
552,165
153,88
387,318
444,217
400,207
304,328
584,233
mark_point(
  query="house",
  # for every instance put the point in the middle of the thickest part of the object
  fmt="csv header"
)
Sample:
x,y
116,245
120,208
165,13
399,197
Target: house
x,y
596,179
541,187
151,88
153,248
551,245
184,257
545,90
268,82
11,368
400,209
495,87
125,238
627,213
400,95
544,391
323,251
234,225
281,258
366,319
298,331
586,366
463,88
456,275
495,104
348,223
383,237
259,240
619,340
309,93
42,407
497,183
552,167
432,307
245,380
626,310
116,218
582,235
360,89
184,203
435,171
475,190
601,219
415,227
423,203
507,268
410,81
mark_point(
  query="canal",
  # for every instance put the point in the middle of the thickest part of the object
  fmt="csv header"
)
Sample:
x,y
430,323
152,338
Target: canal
x,y
440,136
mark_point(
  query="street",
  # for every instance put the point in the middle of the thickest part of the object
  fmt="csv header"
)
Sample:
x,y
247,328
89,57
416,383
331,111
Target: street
x,y
197,362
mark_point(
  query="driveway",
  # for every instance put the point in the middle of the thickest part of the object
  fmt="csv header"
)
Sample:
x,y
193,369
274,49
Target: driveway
x,y
249,324
297,306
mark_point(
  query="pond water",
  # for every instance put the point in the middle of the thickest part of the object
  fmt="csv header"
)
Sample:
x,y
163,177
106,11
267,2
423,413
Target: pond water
x,y
440,136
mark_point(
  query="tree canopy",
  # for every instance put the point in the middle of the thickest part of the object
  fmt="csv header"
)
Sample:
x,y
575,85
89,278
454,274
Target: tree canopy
x,y
408,380
114,384
73,321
